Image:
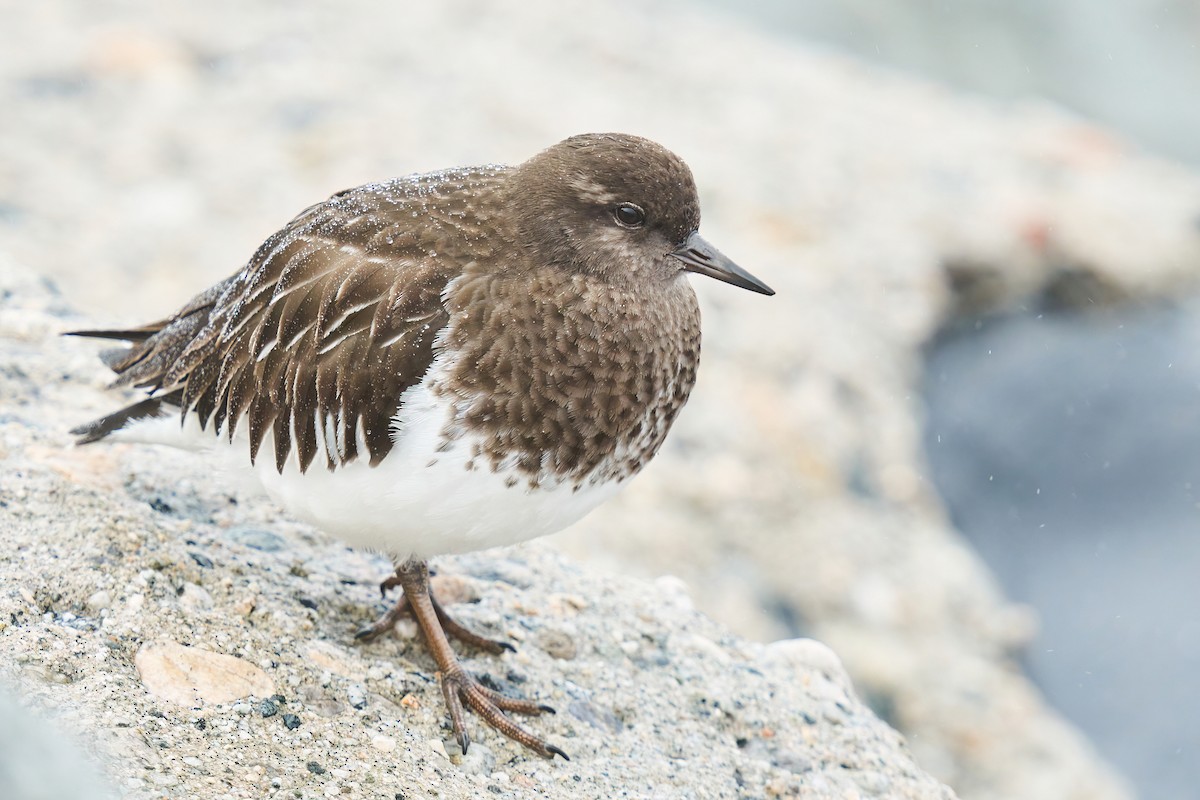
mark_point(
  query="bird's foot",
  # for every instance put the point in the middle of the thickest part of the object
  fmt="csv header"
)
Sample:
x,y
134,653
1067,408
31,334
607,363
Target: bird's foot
x,y
451,626
459,688
369,633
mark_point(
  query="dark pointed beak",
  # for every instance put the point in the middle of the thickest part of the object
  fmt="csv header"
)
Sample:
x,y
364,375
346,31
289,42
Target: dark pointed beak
x,y
699,256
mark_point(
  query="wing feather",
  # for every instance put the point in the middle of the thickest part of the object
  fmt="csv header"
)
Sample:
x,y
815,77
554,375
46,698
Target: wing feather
x,y
313,343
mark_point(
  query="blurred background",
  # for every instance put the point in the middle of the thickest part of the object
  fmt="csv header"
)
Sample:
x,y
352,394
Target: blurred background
x,y
1130,64
1064,440
960,445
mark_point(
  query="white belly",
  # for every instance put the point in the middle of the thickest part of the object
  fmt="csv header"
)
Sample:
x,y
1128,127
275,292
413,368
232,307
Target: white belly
x,y
417,502
420,502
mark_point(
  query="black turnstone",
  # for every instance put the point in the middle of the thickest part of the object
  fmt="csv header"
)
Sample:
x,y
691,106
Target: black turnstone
x,y
445,362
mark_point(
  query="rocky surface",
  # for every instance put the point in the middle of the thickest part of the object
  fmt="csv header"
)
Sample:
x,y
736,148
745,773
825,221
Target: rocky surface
x,y
202,647
158,145
38,762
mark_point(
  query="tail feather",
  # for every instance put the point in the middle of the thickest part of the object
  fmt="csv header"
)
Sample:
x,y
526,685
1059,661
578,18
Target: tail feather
x,y
120,359
153,349
96,430
124,335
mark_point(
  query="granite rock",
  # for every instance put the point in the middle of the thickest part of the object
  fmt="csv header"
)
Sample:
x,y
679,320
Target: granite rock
x,y
654,697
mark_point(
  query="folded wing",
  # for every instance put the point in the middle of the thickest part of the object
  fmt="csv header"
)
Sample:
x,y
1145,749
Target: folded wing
x,y
311,344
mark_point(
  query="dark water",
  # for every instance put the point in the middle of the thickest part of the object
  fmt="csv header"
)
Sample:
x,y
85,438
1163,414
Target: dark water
x,y
1067,448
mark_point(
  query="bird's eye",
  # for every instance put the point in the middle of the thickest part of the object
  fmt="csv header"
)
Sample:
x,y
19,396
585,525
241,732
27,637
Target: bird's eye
x,y
629,215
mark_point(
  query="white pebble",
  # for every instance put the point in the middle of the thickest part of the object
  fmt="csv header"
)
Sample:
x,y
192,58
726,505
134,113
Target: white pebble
x,y
99,601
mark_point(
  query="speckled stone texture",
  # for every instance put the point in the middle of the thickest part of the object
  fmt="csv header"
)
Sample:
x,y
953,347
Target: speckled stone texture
x,y
149,148
203,647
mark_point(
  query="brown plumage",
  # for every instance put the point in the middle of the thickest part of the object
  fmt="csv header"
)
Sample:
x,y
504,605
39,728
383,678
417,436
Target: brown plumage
x,y
535,318
333,317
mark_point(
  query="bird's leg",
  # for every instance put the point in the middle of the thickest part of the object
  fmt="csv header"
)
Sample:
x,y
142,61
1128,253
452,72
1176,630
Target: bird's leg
x,y
465,635
451,626
459,687
379,627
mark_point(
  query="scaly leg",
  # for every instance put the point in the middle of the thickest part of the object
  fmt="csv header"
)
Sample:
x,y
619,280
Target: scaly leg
x,y
451,626
458,686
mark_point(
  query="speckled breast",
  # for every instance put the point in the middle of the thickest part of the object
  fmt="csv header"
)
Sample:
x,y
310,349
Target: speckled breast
x,y
578,382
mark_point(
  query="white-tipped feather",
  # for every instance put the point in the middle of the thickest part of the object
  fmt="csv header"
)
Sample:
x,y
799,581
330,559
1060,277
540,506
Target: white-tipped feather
x,y
420,501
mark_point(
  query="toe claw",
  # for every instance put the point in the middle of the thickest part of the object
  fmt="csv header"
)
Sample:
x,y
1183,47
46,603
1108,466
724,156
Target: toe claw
x,y
464,741
554,751
545,709
505,646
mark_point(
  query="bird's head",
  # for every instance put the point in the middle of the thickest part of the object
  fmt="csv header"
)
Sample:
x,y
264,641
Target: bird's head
x,y
619,207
